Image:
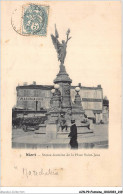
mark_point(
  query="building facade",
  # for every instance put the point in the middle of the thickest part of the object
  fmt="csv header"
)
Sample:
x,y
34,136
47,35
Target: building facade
x,y
92,98
37,97
33,97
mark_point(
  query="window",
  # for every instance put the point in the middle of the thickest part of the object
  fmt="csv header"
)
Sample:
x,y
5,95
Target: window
x,y
25,93
36,93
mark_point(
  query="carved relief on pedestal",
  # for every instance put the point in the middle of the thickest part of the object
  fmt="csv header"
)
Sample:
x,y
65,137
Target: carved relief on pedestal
x,y
68,116
67,89
66,99
53,115
54,109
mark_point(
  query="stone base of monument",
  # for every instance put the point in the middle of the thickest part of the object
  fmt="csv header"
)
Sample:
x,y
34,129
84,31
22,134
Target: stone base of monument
x,y
51,131
81,132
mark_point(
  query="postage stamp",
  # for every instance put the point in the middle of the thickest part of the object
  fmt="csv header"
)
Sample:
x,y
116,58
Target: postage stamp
x,y
35,20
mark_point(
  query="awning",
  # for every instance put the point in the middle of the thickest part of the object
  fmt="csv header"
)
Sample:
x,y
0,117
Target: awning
x,y
89,113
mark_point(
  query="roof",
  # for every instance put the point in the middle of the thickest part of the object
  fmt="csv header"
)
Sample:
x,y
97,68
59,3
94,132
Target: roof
x,y
87,88
89,113
50,87
43,87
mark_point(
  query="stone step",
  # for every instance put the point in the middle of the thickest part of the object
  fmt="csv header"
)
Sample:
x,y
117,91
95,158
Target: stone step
x,y
64,133
81,132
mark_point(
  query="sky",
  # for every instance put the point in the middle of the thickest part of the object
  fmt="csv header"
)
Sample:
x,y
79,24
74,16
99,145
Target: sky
x,y
93,53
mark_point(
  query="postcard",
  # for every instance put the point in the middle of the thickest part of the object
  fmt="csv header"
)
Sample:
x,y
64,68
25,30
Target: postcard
x,y
61,93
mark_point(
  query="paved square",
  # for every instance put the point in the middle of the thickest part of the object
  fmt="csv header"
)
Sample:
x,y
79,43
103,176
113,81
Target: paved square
x,y
97,139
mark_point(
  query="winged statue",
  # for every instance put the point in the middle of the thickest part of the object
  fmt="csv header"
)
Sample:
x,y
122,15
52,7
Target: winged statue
x,y
60,47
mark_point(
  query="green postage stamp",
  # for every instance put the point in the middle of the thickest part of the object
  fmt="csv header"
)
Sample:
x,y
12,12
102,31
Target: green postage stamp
x,y
35,19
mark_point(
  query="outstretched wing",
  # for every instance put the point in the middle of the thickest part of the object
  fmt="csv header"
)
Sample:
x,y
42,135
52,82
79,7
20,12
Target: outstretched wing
x,y
56,32
56,43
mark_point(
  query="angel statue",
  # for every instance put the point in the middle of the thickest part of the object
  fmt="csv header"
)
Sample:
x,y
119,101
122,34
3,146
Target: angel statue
x,y
60,47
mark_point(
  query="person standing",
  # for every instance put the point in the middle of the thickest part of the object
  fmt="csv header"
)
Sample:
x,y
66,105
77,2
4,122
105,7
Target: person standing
x,y
73,135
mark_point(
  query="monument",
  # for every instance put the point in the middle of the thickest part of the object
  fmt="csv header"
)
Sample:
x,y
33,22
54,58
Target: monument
x,y
62,107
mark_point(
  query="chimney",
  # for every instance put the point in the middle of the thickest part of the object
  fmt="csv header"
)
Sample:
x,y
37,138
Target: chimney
x,y
99,86
34,82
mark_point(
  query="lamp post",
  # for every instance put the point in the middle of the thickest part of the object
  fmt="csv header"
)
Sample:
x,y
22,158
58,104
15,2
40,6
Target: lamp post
x,y
77,89
77,100
56,97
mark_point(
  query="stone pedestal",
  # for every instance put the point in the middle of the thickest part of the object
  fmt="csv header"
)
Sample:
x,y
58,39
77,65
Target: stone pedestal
x,y
77,109
53,114
78,117
61,103
64,82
